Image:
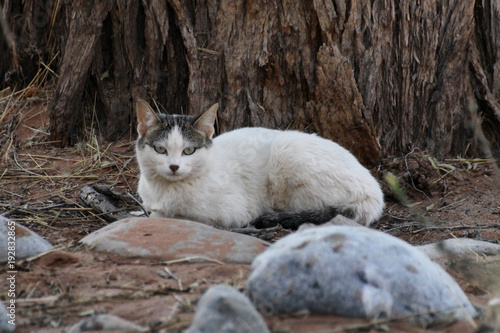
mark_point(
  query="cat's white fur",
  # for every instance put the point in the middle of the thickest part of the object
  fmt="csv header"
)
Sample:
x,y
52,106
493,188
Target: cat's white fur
x,y
252,171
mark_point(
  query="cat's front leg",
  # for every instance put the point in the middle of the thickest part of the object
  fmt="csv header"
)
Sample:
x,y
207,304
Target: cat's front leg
x,y
156,214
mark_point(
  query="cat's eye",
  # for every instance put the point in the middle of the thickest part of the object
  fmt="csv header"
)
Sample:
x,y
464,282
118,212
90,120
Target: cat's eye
x,y
189,150
159,149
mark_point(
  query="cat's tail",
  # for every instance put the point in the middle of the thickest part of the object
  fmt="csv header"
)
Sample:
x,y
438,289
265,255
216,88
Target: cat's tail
x,y
293,220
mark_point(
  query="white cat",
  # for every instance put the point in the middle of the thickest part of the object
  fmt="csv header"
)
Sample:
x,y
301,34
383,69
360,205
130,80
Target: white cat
x,y
249,176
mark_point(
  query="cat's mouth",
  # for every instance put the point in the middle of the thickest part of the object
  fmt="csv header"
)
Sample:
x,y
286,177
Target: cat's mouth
x,y
173,175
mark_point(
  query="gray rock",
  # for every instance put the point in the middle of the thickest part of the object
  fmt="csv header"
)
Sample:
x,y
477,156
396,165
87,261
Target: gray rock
x,y
354,272
493,313
5,326
223,309
28,243
459,247
337,220
106,322
170,239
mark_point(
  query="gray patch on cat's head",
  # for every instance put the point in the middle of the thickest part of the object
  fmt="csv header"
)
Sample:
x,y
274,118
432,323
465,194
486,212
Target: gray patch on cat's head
x,y
166,123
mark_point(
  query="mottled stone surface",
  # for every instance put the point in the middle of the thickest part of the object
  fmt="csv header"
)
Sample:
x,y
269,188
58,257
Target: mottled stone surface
x,y
459,247
28,243
169,239
106,322
354,272
5,317
223,309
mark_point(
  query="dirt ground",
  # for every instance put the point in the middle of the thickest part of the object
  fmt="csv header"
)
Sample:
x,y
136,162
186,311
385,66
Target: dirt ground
x,y
40,187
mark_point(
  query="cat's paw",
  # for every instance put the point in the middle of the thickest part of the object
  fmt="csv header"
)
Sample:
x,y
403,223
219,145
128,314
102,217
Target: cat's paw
x,y
156,214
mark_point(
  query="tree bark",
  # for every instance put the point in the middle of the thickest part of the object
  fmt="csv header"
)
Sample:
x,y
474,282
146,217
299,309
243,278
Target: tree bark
x,y
66,113
380,77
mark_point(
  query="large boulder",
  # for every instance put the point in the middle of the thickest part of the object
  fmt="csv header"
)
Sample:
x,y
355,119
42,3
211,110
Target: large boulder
x,y
170,239
354,272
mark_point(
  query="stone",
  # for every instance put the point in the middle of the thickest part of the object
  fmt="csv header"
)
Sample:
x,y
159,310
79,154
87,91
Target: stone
x,y
354,272
106,322
337,220
223,309
27,243
459,247
493,313
170,239
5,326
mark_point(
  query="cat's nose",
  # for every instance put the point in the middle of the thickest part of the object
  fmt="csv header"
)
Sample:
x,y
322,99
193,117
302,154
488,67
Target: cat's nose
x,y
174,167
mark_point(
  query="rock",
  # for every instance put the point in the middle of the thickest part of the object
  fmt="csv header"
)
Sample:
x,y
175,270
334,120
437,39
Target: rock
x,y
493,313
337,220
354,272
106,322
459,247
223,309
28,243
169,239
5,326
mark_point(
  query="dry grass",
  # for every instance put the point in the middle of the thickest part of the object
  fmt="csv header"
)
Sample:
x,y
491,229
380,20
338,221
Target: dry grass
x,y
40,184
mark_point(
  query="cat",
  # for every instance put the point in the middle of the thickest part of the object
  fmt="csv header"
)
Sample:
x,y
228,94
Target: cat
x,y
249,176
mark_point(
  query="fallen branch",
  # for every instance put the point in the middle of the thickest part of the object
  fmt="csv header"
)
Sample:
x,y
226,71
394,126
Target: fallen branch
x,y
458,227
101,203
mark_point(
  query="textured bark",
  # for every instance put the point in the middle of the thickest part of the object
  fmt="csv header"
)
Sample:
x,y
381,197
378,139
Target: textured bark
x,y
66,114
379,77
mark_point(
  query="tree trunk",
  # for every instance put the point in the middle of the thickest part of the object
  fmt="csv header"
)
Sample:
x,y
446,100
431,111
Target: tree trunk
x,y
379,77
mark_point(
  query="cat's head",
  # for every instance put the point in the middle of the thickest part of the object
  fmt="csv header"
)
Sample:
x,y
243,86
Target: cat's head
x,y
173,147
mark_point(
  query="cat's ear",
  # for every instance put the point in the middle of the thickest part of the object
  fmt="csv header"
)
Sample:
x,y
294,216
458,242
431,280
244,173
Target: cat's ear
x,y
205,122
146,117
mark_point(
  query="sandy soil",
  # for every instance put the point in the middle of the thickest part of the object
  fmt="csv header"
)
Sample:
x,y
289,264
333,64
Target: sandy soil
x,y
40,187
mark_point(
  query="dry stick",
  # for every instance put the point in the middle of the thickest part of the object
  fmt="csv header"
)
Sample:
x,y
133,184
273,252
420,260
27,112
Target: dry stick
x,y
176,325
45,142
3,173
61,207
32,220
35,129
49,157
124,178
30,292
34,115
49,69
91,211
452,204
33,184
12,193
179,282
29,169
458,227
189,259
41,300
446,174
26,211
53,177
139,203
38,165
